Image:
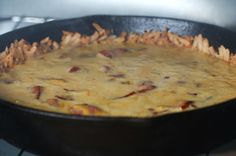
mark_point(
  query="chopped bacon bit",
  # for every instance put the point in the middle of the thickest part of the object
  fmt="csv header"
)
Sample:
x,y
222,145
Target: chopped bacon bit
x,y
117,75
37,90
54,102
52,78
65,97
76,111
143,89
106,53
92,109
69,90
193,94
155,113
146,85
127,95
193,105
152,111
147,88
113,52
74,69
186,104
85,109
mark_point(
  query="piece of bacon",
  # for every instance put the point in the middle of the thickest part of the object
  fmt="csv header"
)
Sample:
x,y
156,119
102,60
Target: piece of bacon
x,y
37,90
193,94
74,69
146,88
52,79
113,52
127,95
186,104
166,77
54,102
145,84
69,90
106,53
143,87
155,113
85,109
92,109
75,111
65,97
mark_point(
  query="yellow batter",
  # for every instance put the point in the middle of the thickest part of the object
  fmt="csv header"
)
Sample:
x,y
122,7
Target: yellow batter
x,y
136,80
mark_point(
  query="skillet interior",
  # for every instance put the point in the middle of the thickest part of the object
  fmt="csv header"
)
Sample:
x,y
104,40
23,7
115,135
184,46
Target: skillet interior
x,y
185,133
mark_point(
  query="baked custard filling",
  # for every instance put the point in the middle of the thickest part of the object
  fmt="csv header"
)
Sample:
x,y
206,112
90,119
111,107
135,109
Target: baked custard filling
x,y
119,79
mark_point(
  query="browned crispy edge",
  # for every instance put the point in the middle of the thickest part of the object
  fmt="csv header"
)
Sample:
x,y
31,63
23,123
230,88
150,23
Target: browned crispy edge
x,y
19,51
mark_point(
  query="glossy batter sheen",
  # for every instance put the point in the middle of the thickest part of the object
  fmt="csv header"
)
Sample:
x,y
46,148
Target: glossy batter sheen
x,y
180,79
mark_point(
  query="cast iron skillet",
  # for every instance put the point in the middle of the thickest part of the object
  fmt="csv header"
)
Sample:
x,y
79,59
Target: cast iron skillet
x,y
184,133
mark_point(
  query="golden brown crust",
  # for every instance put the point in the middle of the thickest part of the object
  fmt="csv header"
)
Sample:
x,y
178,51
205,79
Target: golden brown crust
x,y
19,51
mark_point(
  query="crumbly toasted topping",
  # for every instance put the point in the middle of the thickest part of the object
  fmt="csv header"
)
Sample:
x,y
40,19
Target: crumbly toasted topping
x,y
19,51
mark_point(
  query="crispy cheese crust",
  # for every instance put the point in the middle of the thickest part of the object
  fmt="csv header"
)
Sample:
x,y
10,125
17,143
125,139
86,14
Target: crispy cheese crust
x,y
20,51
